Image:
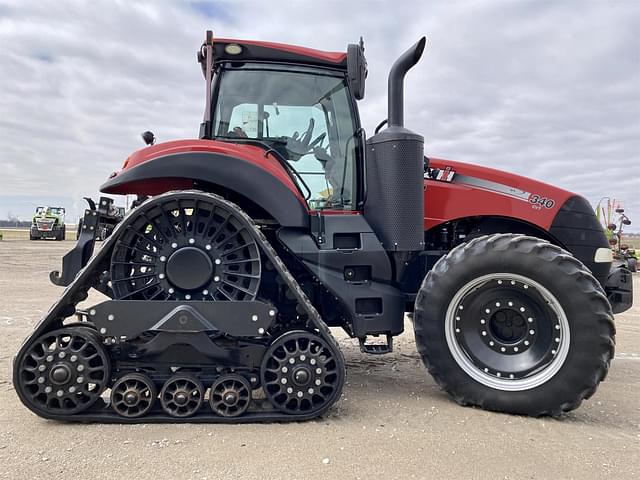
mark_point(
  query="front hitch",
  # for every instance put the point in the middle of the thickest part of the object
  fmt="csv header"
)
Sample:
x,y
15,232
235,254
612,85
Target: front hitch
x,y
95,219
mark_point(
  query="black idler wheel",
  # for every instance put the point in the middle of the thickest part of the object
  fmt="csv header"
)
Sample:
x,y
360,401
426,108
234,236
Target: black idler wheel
x,y
230,396
181,396
300,373
64,371
133,395
185,246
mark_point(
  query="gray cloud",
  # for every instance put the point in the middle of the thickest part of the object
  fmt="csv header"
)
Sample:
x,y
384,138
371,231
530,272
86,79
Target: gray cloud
x,y
541,88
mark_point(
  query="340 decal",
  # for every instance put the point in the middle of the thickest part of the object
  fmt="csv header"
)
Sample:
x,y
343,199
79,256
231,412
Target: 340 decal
x,y
541,202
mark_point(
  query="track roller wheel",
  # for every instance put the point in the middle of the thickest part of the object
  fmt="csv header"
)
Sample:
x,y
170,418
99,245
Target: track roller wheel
x,y
181,396
133,395
230,396
63,372
300,373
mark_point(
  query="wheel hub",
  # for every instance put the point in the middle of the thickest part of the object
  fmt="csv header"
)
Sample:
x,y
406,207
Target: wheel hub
x,y
301,376
189,268
60,374
131,398
181,398
230,398
507,325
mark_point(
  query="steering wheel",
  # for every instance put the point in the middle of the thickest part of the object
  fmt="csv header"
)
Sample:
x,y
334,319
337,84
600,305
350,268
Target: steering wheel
x,y
298,145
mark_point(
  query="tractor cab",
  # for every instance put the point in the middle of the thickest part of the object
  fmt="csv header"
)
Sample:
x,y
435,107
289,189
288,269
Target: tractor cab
x,y
304,115
299,104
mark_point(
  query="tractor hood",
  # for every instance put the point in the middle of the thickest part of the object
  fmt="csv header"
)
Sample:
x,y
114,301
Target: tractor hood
x,y
458,190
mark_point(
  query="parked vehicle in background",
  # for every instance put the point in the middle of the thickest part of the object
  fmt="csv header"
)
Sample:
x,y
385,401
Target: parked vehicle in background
x,y
48,222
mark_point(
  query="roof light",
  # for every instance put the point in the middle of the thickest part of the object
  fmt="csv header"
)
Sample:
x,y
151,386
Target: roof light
x,y
233,49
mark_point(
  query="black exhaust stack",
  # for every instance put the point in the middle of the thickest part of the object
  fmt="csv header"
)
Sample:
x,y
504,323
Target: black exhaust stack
x,y
395,169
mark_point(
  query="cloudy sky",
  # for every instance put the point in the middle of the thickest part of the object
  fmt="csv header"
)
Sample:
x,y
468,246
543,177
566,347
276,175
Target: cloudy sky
x,y
543,88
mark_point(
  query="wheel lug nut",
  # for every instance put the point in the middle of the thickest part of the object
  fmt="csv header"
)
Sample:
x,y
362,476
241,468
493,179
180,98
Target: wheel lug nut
x,y
207,247
72,389
216,278
47,390
502,349
300,394
163,258
483,321
174,245
311,391
59,393
285,369
79,379
312,361
318,371
532,332
289,390
80,368
497,304
192,241
161,276
41,380
49,358
187,297
62,355
318,382
303,358
292,361
283,381
217,261
42,368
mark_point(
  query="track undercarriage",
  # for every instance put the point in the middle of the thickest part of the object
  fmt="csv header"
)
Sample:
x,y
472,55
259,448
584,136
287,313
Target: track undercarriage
x,y
191,332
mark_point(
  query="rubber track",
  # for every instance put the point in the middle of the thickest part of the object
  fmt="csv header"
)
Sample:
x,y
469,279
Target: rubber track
x,y
547,252
77,292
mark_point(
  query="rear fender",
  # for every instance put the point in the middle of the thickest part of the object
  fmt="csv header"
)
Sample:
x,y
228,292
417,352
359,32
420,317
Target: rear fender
x,y
261,179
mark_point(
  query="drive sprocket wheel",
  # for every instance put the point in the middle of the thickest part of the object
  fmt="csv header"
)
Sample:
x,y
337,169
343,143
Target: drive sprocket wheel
x,y
230,396
133,395
185,246
64,371
181,396
300,373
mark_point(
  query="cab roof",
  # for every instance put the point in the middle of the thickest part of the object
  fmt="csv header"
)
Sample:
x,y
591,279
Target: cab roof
x,y
253,50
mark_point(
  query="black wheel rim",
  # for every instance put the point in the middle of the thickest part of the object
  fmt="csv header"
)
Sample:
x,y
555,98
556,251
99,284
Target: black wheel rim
x,y
181,396
187,247
507,331
133,396
300,373
230,396
64,371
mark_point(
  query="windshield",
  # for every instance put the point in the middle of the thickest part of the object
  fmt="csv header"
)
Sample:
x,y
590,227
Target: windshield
x,y
304,114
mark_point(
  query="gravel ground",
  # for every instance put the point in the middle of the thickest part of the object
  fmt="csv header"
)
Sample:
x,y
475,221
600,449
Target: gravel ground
x,y
392,422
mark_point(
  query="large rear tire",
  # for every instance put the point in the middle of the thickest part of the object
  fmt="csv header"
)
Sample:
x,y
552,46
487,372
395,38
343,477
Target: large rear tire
x,y
515,324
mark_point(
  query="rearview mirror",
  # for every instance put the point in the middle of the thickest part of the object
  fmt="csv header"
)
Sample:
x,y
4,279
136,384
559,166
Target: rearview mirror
x,y
356,69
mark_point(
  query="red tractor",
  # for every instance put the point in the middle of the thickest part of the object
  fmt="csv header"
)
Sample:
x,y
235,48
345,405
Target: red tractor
x,y
283,220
